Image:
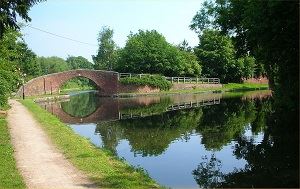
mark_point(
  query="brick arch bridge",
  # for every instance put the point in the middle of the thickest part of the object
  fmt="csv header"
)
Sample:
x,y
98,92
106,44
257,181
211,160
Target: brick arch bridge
x,y
106,82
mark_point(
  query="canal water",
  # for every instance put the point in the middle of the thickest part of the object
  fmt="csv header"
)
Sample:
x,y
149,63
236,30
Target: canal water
x,y
191,140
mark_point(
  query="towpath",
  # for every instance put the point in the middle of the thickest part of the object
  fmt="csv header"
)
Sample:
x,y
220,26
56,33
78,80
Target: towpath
x,y
40,163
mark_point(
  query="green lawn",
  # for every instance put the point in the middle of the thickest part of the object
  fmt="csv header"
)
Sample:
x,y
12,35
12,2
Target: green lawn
x,y
106,170
9,175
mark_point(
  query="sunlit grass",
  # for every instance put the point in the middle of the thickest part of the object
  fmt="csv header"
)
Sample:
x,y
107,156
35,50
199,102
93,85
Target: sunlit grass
x,y
9,175
106,170
230,87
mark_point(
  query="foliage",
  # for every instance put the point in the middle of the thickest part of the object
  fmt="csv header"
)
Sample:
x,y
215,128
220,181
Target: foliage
x,y
276,156
105,170
217,56
10,10
52,64
149,52
140,133
248,66
9,174
3,92
184,46
11,56
78,62
107,55
269,31
81,105
78,83
150,80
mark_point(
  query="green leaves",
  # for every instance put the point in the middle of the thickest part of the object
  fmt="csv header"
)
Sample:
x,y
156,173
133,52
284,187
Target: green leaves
x,y
107,55
149,52
150,80
78,62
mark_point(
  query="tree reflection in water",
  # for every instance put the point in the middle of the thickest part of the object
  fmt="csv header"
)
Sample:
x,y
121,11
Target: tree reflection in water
x,y
272,163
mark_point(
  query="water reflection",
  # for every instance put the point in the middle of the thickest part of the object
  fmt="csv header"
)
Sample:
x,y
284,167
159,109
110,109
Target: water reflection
x,y
190,141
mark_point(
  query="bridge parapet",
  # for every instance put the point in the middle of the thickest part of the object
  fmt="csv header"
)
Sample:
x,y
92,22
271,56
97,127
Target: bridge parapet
x,y
106,82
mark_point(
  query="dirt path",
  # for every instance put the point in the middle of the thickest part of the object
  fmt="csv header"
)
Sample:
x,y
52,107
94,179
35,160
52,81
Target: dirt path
x,y
40,163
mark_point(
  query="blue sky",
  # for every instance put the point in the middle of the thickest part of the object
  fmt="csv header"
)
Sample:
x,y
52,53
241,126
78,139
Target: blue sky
x,y
82,20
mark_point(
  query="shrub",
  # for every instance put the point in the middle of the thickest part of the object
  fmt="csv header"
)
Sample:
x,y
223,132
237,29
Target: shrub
x,y
150,80
3,93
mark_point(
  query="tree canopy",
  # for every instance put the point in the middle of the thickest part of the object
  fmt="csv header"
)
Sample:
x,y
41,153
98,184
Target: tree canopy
x,y
268,30
149,52
78,62
10,9
106,56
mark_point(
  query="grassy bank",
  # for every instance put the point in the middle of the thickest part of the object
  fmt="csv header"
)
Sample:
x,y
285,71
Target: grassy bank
x,y
244,86
101,166
230,87
9,175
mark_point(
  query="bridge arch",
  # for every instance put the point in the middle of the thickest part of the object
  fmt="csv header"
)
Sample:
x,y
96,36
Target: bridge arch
x,y
106,82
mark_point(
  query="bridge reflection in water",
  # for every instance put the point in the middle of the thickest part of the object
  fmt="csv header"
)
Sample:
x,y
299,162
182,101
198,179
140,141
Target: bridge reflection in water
x,y
113,109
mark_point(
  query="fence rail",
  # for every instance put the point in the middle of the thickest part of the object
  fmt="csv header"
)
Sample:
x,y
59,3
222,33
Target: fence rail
x,y
193,80
176,79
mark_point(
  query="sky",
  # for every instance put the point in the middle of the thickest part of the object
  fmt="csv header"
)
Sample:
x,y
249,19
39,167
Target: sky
x,y
82,20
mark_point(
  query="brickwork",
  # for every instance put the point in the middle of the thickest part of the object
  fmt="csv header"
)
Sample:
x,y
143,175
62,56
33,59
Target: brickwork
x,y
188,86
260,80
106,82
136,89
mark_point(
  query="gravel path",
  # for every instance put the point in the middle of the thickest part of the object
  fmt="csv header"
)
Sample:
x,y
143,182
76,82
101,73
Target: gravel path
x,y
40,163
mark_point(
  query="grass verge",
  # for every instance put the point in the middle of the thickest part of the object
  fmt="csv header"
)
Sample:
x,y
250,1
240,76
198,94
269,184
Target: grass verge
x,y
245,86
106,170
9,175
230,87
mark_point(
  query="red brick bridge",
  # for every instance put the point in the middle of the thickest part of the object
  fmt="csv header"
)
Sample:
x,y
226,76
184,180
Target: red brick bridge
x,y
106,82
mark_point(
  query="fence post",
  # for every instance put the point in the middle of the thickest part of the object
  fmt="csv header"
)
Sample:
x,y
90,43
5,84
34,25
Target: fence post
x,y
177,79
130,75
183,79
171,79
196,79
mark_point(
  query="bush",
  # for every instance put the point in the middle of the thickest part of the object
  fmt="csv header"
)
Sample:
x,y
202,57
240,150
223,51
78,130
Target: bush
x,y
150,80
3,93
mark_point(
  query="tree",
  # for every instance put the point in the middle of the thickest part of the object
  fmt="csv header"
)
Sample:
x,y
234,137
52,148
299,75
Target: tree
x,y
149,52
78,62
217,56
10,9
106,57
269,31
52,64
27,61
184,46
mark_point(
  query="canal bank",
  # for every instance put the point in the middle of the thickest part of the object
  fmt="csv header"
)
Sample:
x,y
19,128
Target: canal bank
x,y
40,163
102,167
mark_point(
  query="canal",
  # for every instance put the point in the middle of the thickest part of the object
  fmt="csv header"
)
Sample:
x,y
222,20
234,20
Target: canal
x,y
191,140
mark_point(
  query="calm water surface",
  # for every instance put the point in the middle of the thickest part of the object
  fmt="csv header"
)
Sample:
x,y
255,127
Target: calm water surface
x,y
191,141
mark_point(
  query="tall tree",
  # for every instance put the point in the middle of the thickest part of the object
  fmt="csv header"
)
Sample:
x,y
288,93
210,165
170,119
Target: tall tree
x,y
217,56
106,57
269,30
10,9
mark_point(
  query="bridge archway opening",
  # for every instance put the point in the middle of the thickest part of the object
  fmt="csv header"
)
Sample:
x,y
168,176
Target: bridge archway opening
x,y
79,83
